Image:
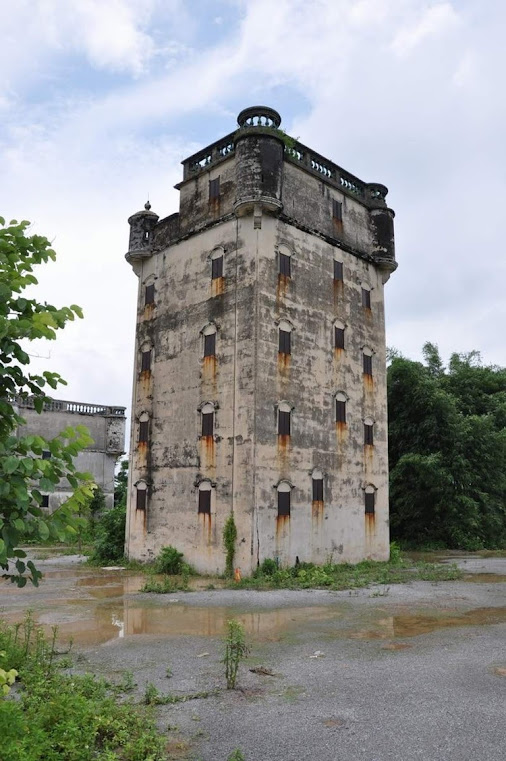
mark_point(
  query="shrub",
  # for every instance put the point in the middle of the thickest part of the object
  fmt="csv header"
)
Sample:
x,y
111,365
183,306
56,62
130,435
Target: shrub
x,y
109,544
268,567
169,561
229,537
235,650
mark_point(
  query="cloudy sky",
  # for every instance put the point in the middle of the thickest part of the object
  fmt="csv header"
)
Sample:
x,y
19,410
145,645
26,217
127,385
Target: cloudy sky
x,y
100,100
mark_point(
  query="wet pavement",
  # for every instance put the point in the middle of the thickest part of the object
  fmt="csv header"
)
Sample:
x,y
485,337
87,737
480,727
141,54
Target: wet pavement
x,y
400,672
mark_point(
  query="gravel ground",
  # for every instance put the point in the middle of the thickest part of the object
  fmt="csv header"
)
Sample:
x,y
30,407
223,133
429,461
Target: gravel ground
x,y
415,671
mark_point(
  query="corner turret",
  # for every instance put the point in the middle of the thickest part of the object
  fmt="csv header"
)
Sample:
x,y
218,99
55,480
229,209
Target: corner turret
x,y
142,224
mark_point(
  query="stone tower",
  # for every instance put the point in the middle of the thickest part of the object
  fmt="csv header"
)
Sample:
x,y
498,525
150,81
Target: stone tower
x,y
259,381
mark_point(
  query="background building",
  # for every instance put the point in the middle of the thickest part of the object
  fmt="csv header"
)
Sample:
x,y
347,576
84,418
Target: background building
x,y
107,429
259,385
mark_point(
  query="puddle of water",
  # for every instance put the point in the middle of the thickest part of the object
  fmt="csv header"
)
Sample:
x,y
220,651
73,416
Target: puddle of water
x,y
110,621
414,625
485,578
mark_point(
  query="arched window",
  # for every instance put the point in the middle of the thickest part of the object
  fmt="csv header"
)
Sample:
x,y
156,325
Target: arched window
x,y
207,414
285,261
284,498
317,485
143,427
141,489
367,360
209,333
205,497
285,337
370,499
368,431
339,334
217,257
284,419
341,399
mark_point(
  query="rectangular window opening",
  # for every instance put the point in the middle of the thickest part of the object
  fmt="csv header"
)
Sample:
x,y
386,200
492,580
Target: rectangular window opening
x,y
46,454
339,338
366,298
284,503
337,210
285,265
284,423
145,361
217,268
340,411
214,188
367,364
141,499
285,341
338,270
143,430
370,500
205,501
210,345
317,489
149,294
368,435
207,423
45,500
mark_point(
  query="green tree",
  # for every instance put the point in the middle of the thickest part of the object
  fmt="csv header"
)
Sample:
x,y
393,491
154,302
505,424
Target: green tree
x,y
447,448
24,474
121,484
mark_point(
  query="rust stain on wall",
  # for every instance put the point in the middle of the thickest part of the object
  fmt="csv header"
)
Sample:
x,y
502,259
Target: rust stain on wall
x,y
341,431
282,526
338,353
142,453
338,291
317,510
209,369
217,286
283,446
284,362
206,521
368,456
148,311
207,451
145,380
214,206
368,382
282,287
370,526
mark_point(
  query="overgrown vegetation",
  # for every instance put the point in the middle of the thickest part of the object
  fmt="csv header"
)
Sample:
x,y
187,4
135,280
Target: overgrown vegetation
x,y
346,576
61,716
236,650
229,539
109,529
169,561
24,473
447,451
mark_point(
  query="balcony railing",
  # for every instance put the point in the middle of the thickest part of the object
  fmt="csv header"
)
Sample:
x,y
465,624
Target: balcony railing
x,y
81,408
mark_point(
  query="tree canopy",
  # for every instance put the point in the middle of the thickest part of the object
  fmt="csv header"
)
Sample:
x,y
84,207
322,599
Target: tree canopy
x,y
447,450
24,473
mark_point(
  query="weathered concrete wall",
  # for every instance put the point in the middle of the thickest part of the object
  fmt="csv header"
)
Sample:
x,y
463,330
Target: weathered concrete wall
x,y
280,206
99,459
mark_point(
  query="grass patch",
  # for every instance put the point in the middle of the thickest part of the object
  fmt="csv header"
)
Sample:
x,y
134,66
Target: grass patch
x,y
51,715
346,576
166,585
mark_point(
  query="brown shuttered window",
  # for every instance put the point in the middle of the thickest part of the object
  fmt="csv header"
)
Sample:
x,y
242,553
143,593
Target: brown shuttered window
x,y
285,341
210,345
317,489
141,499
285,265
339,338
284,423
338,270
207,423
149,294
367,364
205,501
143,430
284,502
340,411
370,500
337,210
145,361
366,298
368,434
217,268
214,188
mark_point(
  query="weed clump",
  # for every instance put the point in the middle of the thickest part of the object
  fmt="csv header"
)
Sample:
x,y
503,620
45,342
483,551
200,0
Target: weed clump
x,y
236,650
169,561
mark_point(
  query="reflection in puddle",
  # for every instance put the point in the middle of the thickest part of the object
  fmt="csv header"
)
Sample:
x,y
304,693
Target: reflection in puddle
x,y
107,622
414,625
